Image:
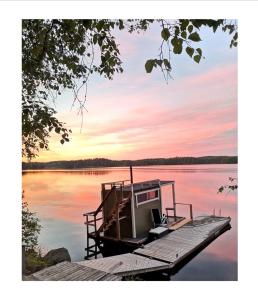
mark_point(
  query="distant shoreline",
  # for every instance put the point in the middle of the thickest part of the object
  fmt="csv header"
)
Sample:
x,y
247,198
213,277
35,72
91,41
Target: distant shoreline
x,y
107,163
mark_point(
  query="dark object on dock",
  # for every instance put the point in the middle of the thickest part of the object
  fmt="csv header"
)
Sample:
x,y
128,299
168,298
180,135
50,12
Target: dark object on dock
x,y
57,255
158,232
157,219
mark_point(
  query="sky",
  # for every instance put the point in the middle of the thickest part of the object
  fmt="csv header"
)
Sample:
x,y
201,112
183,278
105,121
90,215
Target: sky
x,y
139,115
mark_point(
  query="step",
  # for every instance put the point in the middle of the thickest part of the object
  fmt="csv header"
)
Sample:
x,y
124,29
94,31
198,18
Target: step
x,y
179,224
125,200
106,227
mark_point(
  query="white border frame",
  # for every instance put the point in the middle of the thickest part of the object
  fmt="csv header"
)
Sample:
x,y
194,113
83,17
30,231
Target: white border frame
x,y
11,14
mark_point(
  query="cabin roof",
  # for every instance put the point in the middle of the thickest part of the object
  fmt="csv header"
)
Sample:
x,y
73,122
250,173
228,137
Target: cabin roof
x,y
148,185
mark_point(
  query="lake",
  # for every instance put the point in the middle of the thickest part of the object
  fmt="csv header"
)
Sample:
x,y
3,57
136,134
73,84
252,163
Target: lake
x,y
60,197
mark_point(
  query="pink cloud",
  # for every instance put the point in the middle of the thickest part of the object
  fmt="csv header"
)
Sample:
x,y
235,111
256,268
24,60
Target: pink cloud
x,y
196,115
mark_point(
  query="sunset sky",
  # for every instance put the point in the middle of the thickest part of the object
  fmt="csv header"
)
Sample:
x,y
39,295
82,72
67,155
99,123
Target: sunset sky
x,y
139,115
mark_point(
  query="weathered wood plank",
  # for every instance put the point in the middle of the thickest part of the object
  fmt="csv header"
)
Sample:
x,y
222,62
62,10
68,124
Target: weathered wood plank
x,y
68,271
125,264
179,224
173,247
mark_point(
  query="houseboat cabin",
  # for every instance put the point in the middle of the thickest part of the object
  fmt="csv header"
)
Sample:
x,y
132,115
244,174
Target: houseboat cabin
x,y
129,216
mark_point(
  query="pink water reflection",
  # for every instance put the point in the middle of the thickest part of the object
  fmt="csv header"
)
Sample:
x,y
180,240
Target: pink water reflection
x,y
65,195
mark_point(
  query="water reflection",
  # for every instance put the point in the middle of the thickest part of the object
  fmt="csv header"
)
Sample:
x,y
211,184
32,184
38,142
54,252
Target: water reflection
x,y
61,197
207,266
71,172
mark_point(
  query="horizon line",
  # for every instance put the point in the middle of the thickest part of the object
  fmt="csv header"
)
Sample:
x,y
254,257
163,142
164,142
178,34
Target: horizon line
x,y
44,162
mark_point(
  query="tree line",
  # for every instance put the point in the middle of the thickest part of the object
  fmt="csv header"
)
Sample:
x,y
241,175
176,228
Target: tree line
x,y
104,162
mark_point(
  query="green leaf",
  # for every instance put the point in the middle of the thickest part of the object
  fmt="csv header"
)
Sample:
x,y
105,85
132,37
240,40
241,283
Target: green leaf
x,y
149,65
215,27
95,39
167,64
174,41
62,141
199,50
121,24
190,28
197,58
177,30
194,37
184,34
189,51
184,24
178,46
220,190
57,130
100,25
165,34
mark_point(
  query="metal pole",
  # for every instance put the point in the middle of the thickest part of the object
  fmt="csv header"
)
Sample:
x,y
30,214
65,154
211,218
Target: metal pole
x,y
133,212
191,211
95,229
174,198
160,197
88,240
131,174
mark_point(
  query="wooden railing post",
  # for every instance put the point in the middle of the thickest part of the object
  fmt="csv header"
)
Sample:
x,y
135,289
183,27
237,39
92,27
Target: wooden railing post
x,y
117,224
104,200
191,211
87,226
190,207
131,174
95,232
117,217
174,199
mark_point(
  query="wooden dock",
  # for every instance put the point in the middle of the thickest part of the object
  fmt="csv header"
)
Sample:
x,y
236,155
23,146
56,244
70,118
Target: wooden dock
x,y
164,253
125,264
175,246
67,271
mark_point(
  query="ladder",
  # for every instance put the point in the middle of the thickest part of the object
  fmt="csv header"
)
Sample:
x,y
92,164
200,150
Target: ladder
x,y
96,225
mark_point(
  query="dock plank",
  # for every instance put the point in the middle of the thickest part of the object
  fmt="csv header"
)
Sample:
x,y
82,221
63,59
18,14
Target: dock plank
x,y
179,224
125,264
173,247
67,271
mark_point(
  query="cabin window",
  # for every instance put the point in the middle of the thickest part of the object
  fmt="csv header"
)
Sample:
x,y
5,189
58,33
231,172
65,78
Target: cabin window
x,y
147,196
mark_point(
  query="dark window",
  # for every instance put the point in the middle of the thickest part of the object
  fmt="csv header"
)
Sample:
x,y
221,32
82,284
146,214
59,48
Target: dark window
x,y
147,196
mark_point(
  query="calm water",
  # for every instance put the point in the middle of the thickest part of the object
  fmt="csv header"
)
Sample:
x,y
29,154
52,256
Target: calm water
x,y
61,197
